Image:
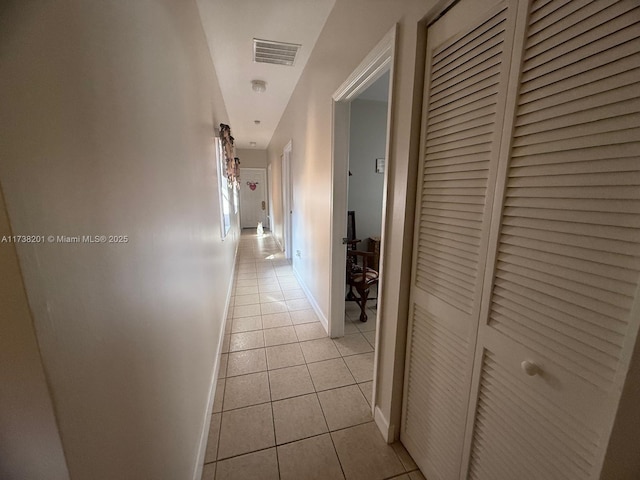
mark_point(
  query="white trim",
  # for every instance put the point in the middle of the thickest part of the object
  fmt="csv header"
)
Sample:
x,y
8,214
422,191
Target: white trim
x,y
259,171
374,65
204,434
270,199
387,430
338,253
287,202
316,308
278,241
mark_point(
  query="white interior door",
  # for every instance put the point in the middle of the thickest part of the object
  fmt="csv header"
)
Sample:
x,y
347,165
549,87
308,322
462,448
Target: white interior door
x,y
525,308
557,323
270,195
253,197
468,61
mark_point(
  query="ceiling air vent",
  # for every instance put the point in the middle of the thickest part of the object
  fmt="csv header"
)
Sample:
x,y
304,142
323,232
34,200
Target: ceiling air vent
x,y
278,53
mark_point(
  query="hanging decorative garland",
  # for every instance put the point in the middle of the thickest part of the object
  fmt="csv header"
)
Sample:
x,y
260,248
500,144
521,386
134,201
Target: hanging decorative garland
x,y
232,162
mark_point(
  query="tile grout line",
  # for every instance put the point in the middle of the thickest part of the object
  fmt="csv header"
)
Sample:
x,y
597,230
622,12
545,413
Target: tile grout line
x,y
248,249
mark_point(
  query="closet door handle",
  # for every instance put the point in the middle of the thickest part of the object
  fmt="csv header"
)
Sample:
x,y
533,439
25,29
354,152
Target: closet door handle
x,y
530,368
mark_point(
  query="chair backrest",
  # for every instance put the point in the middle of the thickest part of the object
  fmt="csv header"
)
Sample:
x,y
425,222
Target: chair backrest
x,y
351,225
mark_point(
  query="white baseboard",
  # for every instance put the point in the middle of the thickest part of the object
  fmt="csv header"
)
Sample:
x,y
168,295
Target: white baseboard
x,y
197,472
316,308
387,430
275,237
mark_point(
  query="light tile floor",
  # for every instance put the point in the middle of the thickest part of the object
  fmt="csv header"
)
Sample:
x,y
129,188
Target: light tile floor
x,y
290,402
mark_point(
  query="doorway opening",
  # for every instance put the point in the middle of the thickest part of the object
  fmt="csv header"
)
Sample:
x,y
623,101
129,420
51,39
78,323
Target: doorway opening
x,y
377,66
253,198
365,187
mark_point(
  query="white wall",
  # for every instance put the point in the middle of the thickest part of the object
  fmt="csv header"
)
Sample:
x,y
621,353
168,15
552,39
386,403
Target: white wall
x,y
30,445
307,121
107,116
252,158
367,141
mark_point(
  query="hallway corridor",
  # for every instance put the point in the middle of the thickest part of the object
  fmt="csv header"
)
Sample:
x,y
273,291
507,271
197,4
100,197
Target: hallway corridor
x,y
290,402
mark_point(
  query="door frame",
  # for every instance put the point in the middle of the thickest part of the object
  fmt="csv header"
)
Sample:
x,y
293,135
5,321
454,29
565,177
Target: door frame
x,y
263,173
375,64
287,202
269,193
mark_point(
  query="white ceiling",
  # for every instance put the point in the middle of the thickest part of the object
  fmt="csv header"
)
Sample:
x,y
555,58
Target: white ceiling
x,y
230,27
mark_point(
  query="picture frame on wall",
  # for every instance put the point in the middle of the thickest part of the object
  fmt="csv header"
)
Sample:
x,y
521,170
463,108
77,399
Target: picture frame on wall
x,y
379,165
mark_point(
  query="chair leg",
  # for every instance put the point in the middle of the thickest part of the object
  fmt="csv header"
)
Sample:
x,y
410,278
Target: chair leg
x,y
350,295
362,303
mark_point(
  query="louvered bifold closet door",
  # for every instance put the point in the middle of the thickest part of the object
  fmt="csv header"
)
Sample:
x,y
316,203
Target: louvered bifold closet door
x,y
467,65
556,326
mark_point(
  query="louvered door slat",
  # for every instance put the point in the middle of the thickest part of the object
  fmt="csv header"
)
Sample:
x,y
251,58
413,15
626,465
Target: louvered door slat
x,y
461,135
583,118
620,136
480,66
585,13
434,391
472,99
527,279
574,329
452,214
457,173
613,89
499,422
474,159
476,120
608,152
569,427
586,362
449,124
462,181
541,15
566,262
497,411
469,46
470,224
533,422
460,247
580,205
465,71
585,313
623,234
471,235
485,70
611,273
571,37
456,155
582,279
575,51
551,133
455,265
562,317
447,251
478,89
567,168
594,243
460,240
578,74
466,111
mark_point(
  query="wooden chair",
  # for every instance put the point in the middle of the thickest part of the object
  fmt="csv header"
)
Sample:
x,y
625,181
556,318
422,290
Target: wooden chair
x,y
361,277
352,241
